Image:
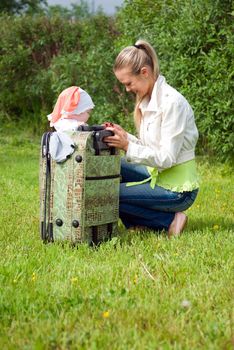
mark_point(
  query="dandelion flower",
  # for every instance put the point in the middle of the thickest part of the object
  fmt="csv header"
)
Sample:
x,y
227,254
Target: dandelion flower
x,y
74,280
216,227
105,314
33,277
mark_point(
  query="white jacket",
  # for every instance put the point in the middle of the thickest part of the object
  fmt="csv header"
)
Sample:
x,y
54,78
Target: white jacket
x,y
168,133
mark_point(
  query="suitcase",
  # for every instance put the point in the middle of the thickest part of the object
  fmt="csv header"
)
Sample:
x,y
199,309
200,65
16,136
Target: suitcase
x,y
79,198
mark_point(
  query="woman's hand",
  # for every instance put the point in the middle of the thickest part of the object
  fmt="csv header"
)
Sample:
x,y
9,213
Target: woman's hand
x,y
119,139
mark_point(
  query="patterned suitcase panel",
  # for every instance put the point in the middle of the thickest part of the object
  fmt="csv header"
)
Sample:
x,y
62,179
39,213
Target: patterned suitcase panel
x,y
80,201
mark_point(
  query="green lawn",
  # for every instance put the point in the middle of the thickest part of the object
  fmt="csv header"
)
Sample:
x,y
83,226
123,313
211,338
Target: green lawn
x,y
139,291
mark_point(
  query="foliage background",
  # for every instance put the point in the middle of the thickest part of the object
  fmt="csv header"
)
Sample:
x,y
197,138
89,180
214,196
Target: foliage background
x,y
46,49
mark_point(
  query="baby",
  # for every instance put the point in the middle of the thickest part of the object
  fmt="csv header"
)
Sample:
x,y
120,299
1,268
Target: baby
x,y
71,109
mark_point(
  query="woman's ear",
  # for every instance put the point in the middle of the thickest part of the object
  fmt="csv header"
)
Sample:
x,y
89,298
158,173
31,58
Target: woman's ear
x,y
145,71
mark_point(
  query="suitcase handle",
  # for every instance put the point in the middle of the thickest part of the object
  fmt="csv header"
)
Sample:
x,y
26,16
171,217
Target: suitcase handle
x,y
99,133
98,142
102,134
90,127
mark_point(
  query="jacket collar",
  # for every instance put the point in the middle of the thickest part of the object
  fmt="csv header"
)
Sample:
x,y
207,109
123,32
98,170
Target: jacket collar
x,y
152,105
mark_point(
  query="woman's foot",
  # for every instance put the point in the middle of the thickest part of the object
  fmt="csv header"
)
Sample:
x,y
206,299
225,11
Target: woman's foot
x,y
177,225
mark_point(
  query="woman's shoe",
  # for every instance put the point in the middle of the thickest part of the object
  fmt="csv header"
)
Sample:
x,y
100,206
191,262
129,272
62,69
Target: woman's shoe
x,y
177,225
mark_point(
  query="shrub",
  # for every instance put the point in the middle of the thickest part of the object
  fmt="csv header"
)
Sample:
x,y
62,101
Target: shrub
x,y
41,56
27,46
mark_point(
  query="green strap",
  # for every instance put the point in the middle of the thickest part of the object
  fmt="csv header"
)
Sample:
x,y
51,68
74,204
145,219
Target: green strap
x,y
153,178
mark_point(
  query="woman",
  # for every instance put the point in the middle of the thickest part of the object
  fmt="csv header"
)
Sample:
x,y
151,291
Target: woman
x,y
159,179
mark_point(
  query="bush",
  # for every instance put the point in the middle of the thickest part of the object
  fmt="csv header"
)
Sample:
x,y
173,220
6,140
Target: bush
x,y
27,46
41,56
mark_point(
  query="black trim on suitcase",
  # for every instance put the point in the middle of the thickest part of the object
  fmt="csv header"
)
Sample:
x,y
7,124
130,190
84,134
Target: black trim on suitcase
x,y
95,241
110,229
102,177
50,232
112,151
94,235
46,226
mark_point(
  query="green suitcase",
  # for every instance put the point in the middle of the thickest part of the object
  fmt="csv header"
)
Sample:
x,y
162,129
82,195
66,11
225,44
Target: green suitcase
x,y
79,198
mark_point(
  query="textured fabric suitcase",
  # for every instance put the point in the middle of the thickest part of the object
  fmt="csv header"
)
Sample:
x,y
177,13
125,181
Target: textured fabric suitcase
x,y
79,198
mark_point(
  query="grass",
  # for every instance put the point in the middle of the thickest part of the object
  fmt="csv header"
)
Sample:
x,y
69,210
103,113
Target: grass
x,y
139,291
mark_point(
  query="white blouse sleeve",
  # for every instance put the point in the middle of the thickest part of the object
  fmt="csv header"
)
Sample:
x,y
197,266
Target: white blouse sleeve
x,y
134,139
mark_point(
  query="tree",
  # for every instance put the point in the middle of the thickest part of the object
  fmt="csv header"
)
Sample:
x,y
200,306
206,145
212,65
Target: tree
x,y
59,11
20,6
79,11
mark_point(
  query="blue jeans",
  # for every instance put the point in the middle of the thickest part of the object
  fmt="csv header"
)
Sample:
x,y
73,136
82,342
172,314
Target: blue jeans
x,y
140,205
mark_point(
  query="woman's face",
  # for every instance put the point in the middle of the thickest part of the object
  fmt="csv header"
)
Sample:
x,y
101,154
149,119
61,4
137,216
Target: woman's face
x,y
141,84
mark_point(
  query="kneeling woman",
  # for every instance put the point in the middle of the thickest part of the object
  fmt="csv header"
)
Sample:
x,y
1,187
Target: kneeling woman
x,y
159,179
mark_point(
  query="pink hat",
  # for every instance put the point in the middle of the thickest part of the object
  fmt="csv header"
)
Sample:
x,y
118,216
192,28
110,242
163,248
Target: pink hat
x,y
72,101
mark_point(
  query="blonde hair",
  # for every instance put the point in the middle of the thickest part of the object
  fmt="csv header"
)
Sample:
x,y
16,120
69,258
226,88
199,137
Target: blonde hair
x,y
135,57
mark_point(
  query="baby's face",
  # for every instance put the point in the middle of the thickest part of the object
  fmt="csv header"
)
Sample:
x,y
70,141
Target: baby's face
x,y
84,116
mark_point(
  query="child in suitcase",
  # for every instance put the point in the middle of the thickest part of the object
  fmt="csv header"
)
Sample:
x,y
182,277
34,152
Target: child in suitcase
x,y
71,109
